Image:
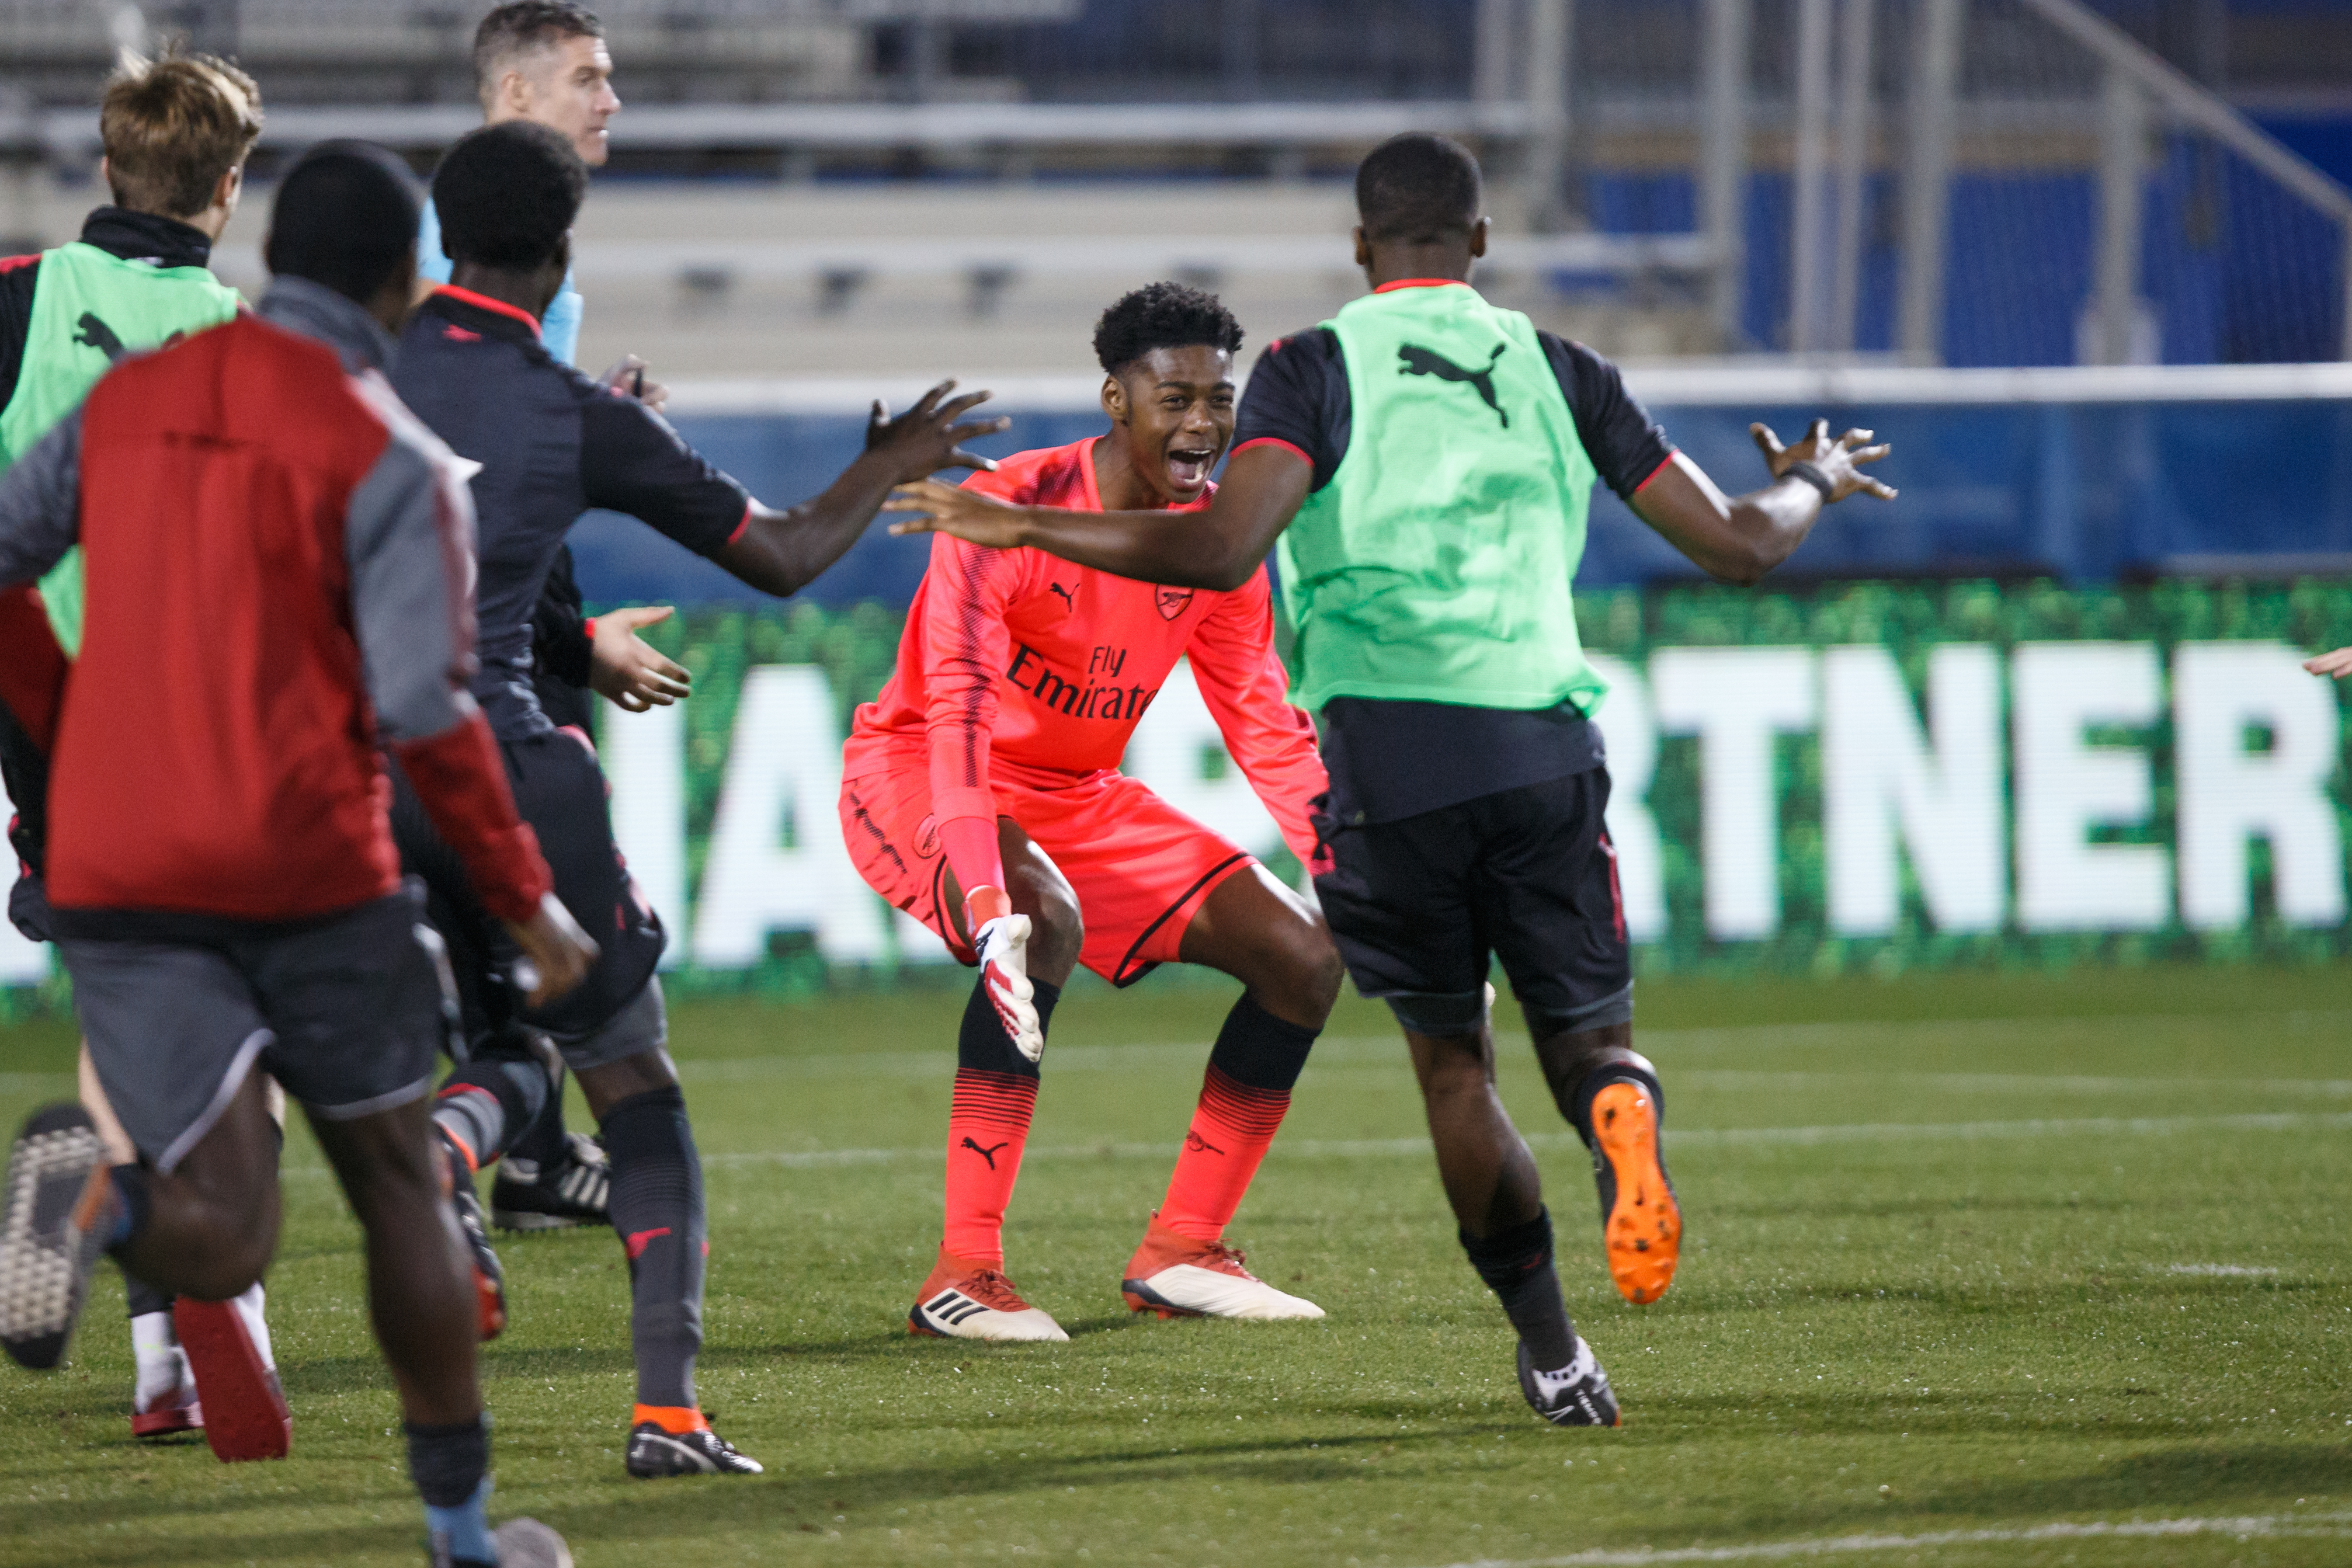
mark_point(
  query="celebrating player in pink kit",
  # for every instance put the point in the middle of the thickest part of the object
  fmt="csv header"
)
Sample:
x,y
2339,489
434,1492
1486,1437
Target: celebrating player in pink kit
x,y
982,796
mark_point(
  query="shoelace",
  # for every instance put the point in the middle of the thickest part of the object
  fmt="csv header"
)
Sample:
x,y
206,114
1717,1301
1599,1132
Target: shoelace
x,y
1219,1255
990,1288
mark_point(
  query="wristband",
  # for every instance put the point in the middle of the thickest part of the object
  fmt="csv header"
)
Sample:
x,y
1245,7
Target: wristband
x,y
1801,469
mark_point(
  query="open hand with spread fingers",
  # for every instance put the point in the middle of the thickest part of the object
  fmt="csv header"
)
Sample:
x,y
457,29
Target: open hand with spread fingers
x,y
926,437
1833,467
630,671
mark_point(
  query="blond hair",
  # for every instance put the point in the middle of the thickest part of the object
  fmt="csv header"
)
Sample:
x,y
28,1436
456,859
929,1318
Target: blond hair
x,y
172,126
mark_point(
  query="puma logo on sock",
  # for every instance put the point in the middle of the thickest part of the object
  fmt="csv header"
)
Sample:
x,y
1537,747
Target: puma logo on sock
x,y
1198,1145
988,1154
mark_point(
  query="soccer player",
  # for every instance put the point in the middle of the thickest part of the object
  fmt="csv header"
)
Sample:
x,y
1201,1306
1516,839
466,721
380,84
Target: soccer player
x,y
543,61
553,443
175,131
982,796
276,567
1432,458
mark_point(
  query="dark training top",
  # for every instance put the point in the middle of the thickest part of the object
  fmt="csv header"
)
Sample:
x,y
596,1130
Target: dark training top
x,y
1389,760
553,443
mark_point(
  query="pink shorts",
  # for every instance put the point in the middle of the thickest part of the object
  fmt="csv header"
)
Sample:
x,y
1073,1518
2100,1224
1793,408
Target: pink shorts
x,y
1140,868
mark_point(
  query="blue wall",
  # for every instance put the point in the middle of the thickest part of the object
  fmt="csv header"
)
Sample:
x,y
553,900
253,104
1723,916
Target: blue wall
x,y
2087,492
2235,269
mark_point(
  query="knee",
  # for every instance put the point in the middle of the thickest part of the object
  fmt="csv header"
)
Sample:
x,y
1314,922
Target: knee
x,y
1057,929
1307,972
234,1261
1449,1067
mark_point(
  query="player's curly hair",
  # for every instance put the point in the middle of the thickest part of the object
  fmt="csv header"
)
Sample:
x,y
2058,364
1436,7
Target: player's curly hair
x,y
507,195
1163,316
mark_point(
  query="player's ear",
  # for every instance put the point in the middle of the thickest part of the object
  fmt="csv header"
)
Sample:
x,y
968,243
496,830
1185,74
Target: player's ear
x,y
1114,399
1478,237
1363,247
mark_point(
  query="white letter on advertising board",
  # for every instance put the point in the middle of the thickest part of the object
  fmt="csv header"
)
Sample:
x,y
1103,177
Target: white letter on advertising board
x,y
776,861
2067,787
1878,771
1737,700
2228,794
644,755
1631,733
22,962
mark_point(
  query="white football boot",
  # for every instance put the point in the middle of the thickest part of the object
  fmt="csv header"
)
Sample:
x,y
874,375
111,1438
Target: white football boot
x,y
963,1299
1178,1277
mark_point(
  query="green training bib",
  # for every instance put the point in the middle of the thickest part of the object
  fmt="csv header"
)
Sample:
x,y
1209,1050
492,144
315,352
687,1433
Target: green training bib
x,y
1435,566
90,309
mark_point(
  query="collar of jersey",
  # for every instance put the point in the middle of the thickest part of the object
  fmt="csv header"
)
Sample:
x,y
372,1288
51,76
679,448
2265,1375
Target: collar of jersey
x,y
483,302
1421,283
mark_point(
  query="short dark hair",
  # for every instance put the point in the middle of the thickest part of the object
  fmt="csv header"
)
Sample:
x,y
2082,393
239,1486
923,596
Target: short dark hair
x,y
1163,316
507,195
1418,188
345,216
519,27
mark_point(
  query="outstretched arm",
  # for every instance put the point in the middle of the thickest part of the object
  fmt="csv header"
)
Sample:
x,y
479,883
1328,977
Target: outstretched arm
x,y
1244,685
782,552
1216,548
1740,539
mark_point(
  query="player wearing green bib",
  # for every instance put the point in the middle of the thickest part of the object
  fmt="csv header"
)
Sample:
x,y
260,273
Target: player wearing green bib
x,y
1425,460
176,131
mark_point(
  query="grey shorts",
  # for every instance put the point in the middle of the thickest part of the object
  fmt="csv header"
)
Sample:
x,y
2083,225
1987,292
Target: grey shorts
x,y
642,1024
346,1013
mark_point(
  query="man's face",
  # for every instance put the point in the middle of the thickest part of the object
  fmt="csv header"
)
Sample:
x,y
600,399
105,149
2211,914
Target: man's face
x,y
1179,417
569,87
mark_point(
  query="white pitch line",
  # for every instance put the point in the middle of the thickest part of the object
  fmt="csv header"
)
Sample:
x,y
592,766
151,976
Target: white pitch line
x,y
2331,1526
1701,1137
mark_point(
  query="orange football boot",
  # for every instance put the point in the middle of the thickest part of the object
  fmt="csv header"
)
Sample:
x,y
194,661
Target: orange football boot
x,y
1640,1223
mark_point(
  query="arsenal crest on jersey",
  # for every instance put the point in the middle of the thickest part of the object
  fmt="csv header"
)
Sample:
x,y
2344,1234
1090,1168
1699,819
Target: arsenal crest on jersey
x,y
1172,600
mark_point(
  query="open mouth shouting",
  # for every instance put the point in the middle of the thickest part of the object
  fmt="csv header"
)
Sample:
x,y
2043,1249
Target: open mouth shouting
x,y
1188,468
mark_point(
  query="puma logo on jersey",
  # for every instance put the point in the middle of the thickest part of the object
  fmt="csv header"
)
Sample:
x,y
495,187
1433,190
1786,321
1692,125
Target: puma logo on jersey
x,y
93,333
1421,362
988,1154
1067,599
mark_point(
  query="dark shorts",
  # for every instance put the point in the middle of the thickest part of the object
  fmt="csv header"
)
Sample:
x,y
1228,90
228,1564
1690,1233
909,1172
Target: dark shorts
x,y
346,1013
1420,907
559,791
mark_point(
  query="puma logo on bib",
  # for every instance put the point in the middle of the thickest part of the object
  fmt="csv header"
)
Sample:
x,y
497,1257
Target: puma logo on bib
x,y
1421,362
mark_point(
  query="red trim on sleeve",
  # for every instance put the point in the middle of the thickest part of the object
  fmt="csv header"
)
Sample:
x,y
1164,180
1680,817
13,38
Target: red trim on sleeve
x,y
495,306
12,263
1663,465
1421,283
741,525
589,626
461,782
1290,447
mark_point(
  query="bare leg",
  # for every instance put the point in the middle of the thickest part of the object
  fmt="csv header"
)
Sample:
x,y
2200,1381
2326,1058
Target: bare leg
x,y
420,1292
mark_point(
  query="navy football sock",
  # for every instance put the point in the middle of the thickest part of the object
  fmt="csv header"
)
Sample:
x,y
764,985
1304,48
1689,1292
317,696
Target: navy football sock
x,y
1516,1265
658,1211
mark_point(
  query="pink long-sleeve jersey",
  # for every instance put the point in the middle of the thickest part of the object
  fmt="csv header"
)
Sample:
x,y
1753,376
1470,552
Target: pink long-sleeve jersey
x,y
1020,669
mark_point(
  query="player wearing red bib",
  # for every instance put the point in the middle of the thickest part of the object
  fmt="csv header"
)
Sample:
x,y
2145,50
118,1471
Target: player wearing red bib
x,y
982,796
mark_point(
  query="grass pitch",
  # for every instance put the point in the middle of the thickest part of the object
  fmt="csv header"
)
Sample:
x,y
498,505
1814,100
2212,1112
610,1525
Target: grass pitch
x,y
1980,1270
